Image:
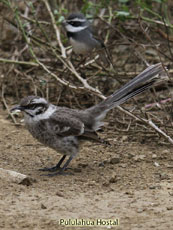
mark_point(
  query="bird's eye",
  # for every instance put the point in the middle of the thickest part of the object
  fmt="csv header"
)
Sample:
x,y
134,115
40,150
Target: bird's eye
x,y
73,23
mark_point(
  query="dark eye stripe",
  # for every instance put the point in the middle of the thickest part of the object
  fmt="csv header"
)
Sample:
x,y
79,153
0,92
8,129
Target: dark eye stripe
x,y
33,106
75,23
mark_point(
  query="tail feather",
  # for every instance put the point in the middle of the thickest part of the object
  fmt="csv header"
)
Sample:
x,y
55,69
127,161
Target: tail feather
x,y
149,75
137,85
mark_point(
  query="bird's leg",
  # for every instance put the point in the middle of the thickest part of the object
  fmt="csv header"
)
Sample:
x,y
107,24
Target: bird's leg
x,y
67,163
56,167
62,170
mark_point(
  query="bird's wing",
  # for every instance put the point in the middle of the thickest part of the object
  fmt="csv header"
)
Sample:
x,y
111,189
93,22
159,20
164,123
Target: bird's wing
x,y
97,39
64,125
92,135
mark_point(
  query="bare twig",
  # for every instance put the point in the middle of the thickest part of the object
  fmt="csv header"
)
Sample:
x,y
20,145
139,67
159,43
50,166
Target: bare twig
x,y
56,29
6,106
67,62
18,62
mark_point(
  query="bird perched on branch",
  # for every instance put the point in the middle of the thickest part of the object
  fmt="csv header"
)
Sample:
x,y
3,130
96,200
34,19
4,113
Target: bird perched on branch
x,y
63,129
80,34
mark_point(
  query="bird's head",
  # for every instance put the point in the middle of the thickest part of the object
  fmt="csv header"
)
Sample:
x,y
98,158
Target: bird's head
x,y
32,106
76,22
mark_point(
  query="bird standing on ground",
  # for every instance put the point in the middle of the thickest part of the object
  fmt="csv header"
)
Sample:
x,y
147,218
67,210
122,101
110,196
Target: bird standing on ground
x,y
63,129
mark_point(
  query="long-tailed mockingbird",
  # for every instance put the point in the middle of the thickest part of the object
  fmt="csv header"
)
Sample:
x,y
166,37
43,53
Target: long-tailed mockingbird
x,y
63,129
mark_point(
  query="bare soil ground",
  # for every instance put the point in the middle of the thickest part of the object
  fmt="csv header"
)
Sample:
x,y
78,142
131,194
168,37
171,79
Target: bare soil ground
x,y
129,180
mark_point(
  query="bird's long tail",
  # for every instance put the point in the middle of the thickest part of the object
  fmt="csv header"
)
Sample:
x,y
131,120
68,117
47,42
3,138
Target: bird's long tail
x,y
137,85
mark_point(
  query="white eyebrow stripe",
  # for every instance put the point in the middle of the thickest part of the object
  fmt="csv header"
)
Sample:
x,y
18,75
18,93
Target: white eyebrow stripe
x,y
39,100
77,20
73,29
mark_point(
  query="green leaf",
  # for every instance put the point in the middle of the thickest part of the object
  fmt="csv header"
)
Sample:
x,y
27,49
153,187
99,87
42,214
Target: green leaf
x,y
61,19
56,12
122,13
123,1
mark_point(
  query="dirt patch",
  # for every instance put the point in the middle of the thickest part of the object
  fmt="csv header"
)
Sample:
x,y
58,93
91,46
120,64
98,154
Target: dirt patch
x,y
129,180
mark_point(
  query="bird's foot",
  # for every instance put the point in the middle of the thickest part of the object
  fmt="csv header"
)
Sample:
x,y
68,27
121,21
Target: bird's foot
x,y
60,172
52,169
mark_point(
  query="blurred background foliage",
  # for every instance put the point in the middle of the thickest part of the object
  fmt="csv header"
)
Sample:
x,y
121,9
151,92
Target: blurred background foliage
x,y
136,33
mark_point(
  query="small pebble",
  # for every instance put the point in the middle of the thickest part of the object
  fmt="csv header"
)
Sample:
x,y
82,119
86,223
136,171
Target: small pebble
x,y
164,176
154,156
113,179
124,138
105,184
165,151
101,164
77,170
140,210
171,193
59,194
170,208
115,159
43,206
139,158
156,164
152,187
83,165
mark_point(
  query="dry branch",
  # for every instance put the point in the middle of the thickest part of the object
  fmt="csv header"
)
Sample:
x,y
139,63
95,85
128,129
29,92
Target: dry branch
x,y
56,29
8,61
65,61
68,64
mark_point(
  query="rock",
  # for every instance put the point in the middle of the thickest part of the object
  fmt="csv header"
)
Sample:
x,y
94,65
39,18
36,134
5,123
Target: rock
x,y
154,156
131,155
170,166
139,158
140,210
101,164
43,206
113,179
171,193
164,176
152,187
105,184
156,164
78,170
154,204
115,159
166,151
123,165
169,208
15,177
129,193
83,165
124,138
59,194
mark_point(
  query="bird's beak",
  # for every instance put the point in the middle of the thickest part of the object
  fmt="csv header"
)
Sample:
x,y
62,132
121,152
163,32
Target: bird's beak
x,y
17,108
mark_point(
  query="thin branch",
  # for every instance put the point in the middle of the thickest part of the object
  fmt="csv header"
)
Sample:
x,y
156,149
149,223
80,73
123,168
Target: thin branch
x,y
56,29
63,82
6,106
17,62
67,62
